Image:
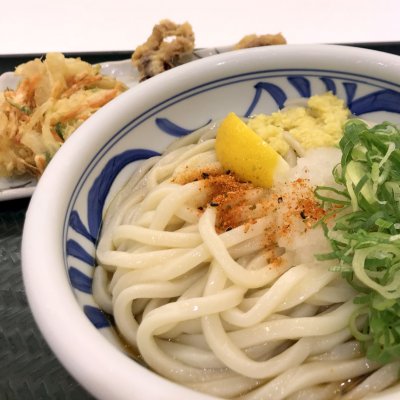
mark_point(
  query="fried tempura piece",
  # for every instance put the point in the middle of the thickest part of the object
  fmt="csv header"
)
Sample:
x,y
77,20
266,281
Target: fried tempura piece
x,y
259,40
54,97
166,46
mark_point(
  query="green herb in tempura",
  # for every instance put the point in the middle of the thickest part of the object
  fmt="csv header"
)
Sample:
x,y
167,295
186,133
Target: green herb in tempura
x,y
59,128
365,236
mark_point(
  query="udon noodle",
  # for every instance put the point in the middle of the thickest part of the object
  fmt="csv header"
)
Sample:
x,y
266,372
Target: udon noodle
x,y
215,284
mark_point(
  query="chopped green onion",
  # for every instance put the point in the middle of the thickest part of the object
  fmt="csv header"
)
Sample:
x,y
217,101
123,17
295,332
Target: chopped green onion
x,y
365,237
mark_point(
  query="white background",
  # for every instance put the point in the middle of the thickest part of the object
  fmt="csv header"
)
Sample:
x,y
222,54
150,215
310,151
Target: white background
x,y
38,26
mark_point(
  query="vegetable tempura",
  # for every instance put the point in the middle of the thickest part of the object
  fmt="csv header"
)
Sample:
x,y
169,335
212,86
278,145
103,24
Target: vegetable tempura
x,y
53,98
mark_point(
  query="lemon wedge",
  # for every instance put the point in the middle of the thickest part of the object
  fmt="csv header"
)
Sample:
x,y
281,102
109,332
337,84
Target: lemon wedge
x,y
242,151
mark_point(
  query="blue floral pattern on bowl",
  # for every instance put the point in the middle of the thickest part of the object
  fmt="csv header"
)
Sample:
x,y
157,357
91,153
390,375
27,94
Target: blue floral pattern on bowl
x,y
264,91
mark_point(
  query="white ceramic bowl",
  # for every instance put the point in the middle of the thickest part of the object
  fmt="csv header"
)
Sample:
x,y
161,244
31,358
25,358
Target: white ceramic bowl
x,y
64,216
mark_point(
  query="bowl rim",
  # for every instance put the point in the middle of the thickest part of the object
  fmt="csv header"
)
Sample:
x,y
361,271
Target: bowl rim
x,y
48,290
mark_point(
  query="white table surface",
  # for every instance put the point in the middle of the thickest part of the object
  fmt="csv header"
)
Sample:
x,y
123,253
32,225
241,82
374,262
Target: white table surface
x,y
38,26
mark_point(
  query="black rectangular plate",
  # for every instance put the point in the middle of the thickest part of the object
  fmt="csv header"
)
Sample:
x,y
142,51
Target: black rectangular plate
x,y
9,61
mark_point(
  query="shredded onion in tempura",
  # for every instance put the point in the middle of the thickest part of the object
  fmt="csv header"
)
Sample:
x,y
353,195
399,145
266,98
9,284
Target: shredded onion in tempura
x,y
54,97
